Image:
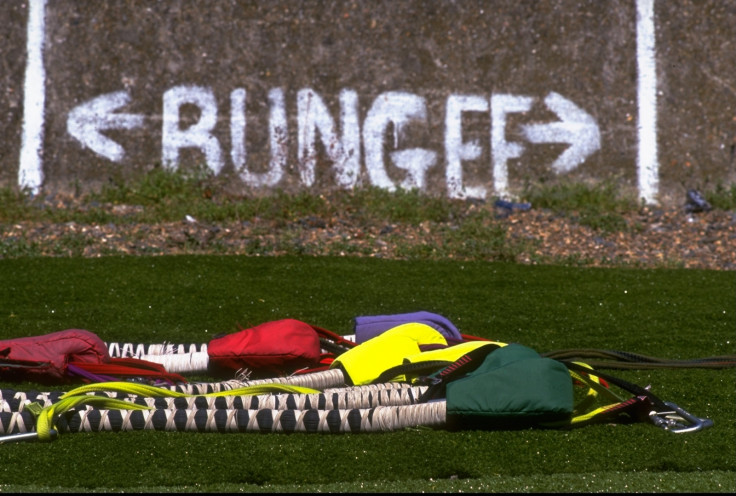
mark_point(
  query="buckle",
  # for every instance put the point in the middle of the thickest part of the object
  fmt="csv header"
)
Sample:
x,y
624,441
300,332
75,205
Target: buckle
x,y
678,420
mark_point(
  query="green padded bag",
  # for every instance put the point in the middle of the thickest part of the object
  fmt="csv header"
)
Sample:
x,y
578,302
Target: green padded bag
x,y
513,388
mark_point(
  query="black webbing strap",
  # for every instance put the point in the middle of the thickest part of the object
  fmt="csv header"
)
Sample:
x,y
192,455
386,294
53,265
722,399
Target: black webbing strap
x,y
412,369
623,384
457,369
624,360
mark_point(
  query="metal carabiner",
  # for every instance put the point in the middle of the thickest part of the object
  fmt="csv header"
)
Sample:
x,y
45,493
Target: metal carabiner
x,y
678,420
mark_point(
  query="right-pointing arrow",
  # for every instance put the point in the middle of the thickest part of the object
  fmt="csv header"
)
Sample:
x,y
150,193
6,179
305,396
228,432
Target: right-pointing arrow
x,y
576,127
86,121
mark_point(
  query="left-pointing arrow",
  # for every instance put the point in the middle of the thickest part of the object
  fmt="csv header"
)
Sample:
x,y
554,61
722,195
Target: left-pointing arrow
x,y
87,121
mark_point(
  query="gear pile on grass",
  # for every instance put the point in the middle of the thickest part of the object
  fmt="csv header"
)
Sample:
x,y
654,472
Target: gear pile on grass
x,y
396,372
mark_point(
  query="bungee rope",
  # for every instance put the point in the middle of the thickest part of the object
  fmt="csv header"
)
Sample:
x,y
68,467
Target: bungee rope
x,y
137,350
312,411
186,358
376,419
162,409
193,358
133,350
111,414
389,394
320,402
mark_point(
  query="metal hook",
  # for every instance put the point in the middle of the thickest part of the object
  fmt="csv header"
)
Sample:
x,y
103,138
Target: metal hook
x,y
678,420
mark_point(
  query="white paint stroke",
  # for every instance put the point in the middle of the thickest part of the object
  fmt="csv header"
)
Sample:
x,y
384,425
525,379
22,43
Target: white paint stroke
x,y
343,150
501,150
30,172
457,150
576,127
398,109
86,121
647,160
197,135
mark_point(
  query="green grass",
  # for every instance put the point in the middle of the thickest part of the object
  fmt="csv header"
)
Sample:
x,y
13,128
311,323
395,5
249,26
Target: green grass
x,y
163,195
600,206
667,313
721,196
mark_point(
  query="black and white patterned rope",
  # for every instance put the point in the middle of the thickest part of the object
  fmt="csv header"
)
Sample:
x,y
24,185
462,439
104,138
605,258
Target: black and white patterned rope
x,y
316,380
354,420
337,399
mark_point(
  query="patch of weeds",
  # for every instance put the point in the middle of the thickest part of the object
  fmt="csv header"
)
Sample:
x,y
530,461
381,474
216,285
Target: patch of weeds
x,y
12,204
285,208
291,243
18,247
479,237
71,244
599,206
411,251
372,204
218,248
146,249
722,197
345,247
573,260
255,247
165,194
107,251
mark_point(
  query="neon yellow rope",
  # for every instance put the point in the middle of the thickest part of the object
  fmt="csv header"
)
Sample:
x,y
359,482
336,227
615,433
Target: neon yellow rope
x,y
46,417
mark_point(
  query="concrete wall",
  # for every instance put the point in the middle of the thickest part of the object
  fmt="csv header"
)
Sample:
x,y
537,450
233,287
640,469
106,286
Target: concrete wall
x,y
459,98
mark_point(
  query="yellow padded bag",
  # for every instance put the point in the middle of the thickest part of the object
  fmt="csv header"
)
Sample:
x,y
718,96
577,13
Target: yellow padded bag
x,y
364,363
447,355
451,353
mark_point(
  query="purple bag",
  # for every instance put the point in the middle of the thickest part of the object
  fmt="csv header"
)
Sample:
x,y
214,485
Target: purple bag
x,y
370,326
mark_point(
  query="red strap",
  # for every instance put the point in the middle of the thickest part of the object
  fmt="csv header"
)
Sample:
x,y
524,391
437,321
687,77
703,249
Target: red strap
x,y
333,337
325,361
469,337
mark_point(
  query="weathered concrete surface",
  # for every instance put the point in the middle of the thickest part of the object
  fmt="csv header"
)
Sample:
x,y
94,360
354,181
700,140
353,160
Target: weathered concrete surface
x,y
583,51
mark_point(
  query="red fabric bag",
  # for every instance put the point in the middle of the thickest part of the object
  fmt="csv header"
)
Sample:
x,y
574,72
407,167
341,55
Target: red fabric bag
x,y
47,359
273,348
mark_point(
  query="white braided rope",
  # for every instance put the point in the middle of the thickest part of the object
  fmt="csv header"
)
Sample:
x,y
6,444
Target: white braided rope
x,y
315,380
131,350
389,394
378,419
175,358
195,362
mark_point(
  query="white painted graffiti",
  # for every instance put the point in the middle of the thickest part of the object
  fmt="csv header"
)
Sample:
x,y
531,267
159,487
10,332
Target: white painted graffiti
x,y
87,123
389,111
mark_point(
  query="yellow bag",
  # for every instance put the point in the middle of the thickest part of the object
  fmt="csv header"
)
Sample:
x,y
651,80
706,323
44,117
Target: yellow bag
x,y
413,365
364,363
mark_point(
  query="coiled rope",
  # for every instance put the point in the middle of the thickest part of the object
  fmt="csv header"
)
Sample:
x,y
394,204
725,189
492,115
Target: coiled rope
x,y
301,410
355,420
392,394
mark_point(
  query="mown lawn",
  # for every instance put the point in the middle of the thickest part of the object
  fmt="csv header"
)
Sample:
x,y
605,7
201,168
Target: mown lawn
x,y
188,299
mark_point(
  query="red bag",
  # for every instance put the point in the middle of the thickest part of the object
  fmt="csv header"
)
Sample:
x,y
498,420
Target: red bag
x,y
52,358
273,348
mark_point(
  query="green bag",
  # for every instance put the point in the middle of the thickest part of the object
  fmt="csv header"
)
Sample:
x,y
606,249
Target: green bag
x,y
513,388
